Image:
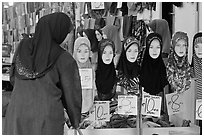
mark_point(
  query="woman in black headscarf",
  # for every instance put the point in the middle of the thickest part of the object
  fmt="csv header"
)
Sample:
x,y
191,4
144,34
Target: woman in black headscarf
x,y
105,73
46,81
128,67
153,71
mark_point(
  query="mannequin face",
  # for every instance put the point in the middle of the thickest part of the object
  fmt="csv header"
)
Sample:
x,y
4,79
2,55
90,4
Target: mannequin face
x,y
198,50
154,49
180,47
82,53
107,55
98,35
132,52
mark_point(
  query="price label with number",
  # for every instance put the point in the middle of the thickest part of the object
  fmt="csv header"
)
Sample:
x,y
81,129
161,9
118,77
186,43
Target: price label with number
x,y
86,78
151,105
174,103
127,105
100,111
199,109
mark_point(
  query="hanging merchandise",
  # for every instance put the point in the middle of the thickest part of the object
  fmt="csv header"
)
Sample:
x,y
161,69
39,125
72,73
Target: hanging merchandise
x,y
111,31
81,54
153,71
124,9
161,26
90,34
197,63
105,73
178,68
128,67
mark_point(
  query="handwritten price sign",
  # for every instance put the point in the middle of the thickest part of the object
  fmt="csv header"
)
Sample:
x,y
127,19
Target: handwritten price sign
x,y
127,105
97,5
151,105
174,103
86,78
100,111
199,109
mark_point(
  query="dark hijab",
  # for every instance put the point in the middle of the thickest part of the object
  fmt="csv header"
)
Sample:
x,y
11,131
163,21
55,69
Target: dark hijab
x,y
128,71
161,27
92,38
153,71
36,56
105,73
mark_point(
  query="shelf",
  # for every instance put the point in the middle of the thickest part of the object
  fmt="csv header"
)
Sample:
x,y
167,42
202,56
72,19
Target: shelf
x,y
6,64
5,77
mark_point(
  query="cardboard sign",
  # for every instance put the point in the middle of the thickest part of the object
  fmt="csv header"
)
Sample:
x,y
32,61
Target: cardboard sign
x,y
151,105
97,5
199,109
100,111
127,105
86,78
174,103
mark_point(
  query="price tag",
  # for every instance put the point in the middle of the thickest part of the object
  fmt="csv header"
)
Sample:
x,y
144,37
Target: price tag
x,y
97,5
127,105
100,111
151,105
86,78
174,103
199,109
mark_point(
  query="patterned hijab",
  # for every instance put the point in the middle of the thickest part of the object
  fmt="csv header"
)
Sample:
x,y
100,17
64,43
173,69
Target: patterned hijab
x,y
178,68
78,42
127,71
105,73
197,65
36,56
153,71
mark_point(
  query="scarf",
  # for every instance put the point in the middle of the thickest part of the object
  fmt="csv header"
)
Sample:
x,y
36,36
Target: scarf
x,y
78,42
197,65
105,73
178,68
127,71
153,71
112,33
36,56
161,26
92,38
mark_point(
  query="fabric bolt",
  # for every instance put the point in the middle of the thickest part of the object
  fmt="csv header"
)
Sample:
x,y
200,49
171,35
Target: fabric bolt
x,y
128,72
161,26
178,68
38,101
105,74
153,71
197,66
112,33
87,94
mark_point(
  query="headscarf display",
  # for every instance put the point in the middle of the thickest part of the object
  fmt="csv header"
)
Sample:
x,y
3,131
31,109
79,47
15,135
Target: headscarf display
x,y
87,94
153,71
36,56
105,73
161,26
127,71
112,33
197,66
92,38
78,42
178,68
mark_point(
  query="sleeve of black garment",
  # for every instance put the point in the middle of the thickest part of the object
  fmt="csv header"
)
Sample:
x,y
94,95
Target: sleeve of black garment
x,y
71,88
